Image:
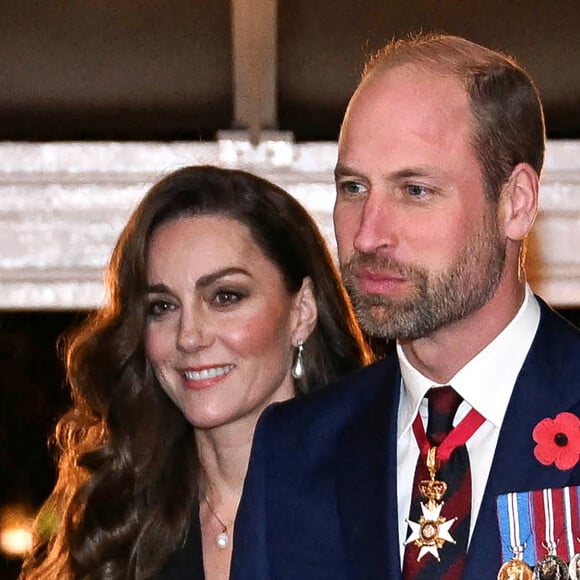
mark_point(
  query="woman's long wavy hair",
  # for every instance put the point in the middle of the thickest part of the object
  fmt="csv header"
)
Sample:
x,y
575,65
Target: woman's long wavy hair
x,y
128,467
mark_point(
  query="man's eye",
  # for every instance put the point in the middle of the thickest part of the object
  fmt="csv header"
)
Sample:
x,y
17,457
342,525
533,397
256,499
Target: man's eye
x,y
415,190
159,307
351,187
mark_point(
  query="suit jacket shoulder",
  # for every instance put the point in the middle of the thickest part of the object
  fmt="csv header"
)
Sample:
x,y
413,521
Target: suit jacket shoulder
x,y
331,408
335,445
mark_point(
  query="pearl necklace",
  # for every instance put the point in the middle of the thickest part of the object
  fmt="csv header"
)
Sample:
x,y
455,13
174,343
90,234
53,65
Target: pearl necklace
x,y
222,540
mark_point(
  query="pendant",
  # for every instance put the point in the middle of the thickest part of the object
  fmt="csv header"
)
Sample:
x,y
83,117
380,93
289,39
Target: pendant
x,y
551,568
222,540
574,567
515,569
431,532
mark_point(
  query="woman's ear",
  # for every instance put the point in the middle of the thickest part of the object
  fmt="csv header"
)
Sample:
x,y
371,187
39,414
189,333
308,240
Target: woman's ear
x,y
306,312
519,202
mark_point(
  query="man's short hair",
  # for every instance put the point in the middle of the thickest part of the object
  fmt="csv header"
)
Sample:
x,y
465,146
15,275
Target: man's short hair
x,y
508,121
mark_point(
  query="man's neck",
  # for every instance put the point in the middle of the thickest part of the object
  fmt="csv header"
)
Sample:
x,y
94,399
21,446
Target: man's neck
x,y
441,355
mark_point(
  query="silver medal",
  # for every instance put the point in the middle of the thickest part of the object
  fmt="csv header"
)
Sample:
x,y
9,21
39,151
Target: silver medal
x,y
574,567
551,568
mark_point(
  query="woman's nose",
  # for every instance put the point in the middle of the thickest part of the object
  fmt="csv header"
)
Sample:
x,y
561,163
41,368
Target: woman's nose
x,y
193,333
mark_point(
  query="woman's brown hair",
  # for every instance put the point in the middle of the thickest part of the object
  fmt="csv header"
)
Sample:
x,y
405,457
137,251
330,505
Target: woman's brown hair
x,y
128,467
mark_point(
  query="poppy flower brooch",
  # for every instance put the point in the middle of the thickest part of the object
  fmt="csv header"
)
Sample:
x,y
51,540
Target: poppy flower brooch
x,y
558,441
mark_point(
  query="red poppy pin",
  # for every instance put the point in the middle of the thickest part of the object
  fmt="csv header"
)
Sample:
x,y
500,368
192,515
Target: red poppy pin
x,y
558,441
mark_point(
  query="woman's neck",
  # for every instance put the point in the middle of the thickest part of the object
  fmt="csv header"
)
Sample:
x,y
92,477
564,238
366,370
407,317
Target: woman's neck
x,y
224,460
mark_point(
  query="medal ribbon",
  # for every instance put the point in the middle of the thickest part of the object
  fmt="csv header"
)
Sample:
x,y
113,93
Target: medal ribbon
x,y
430,533
460,435
548,508
513,511
572,519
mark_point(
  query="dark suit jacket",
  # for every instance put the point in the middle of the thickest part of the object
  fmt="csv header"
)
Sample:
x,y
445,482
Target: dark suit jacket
x,y
320,500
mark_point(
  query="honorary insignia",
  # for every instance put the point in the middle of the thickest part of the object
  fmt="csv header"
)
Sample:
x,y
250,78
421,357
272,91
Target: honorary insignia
x,y
515,569
551,568
515,528
574,567
432,530
541,526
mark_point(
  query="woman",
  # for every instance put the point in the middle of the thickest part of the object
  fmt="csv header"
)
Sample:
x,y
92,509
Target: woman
x,y
223,298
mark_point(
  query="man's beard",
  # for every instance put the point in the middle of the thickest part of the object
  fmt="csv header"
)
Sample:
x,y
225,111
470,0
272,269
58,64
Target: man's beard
x,y
435,300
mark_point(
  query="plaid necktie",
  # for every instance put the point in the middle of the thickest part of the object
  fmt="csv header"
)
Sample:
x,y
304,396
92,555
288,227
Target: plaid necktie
x,y
455,472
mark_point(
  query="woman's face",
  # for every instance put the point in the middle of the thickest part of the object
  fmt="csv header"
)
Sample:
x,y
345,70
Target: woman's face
x,y
221,326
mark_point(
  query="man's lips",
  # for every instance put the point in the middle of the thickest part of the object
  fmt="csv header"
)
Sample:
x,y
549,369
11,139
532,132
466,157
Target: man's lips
x,y
379,282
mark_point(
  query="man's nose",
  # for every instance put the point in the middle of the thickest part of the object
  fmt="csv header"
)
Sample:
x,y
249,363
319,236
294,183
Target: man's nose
x,y
376,227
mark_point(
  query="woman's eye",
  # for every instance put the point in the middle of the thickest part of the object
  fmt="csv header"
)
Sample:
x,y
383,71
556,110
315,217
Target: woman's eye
x,y
227,297
158,308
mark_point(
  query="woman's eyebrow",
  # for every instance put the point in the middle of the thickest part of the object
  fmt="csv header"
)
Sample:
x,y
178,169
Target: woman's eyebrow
x,y
209,279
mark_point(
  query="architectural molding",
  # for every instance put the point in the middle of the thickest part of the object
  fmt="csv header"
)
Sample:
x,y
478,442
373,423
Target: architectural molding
x,y
64,204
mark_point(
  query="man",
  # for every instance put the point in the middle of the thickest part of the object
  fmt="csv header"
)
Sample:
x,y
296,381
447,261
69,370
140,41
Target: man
x,y
440,155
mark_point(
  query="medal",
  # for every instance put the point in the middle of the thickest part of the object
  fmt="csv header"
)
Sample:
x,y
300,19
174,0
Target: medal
x,y
574,567
551,568
432,530
548,521
515,569
514,520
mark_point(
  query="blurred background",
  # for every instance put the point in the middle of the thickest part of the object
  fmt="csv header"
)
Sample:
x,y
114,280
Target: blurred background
x,y
184,70
152,69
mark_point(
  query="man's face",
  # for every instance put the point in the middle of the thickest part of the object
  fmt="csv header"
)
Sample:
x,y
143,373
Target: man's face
x,y
418,242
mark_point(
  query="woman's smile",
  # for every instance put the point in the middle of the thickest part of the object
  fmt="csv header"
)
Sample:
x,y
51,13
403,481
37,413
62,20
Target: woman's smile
x,y
205,377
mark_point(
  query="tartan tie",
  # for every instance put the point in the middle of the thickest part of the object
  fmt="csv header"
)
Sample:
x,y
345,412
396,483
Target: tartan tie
x,y
443,404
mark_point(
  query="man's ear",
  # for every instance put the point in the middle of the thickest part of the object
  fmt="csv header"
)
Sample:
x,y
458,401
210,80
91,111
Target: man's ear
x,y
519,202
306,312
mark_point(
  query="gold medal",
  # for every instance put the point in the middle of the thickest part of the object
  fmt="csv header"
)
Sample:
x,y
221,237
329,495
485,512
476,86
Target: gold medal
x,y
431,532
551,568
515,569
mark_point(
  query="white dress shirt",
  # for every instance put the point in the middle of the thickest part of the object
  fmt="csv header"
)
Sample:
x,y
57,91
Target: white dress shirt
x,y
486,383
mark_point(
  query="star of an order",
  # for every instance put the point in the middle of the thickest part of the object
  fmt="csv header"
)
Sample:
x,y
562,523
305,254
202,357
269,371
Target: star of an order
x,y
430,516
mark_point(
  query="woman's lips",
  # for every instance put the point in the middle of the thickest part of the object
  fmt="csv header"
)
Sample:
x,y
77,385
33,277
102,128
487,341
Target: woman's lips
x,y
206,376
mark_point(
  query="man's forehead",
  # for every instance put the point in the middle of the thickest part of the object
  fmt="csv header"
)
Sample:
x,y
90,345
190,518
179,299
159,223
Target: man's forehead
x,y
407,101
409,81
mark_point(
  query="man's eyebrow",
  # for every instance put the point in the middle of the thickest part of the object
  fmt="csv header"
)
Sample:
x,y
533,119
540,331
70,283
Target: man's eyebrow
x,y
417,171
406,173
341,170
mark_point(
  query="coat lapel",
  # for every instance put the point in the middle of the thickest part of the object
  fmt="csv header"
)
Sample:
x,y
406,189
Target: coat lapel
x,y
367,481
546,386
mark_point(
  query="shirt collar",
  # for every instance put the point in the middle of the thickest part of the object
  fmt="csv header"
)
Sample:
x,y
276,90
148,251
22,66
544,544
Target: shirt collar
x,y
486,382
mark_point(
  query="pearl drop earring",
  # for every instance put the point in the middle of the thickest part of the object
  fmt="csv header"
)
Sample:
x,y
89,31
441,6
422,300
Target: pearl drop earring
x,y
298,366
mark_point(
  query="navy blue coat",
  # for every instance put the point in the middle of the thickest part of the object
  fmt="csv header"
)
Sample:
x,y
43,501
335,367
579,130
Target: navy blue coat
x,y
320,499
